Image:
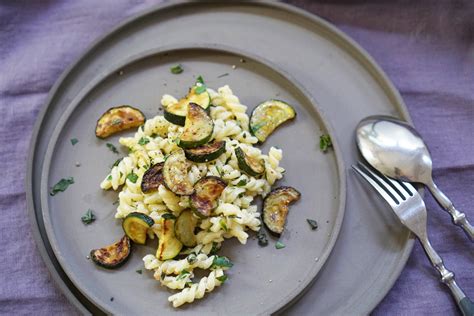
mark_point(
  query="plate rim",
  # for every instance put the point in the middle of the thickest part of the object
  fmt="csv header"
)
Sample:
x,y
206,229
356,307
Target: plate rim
x,y
316,267
358,53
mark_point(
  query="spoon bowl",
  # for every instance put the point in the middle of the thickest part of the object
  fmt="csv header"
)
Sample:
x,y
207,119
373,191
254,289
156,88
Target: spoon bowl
x,y
394,148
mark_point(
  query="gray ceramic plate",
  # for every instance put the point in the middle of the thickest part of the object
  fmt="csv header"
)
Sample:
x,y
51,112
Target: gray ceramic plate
x,y
372,247
140,81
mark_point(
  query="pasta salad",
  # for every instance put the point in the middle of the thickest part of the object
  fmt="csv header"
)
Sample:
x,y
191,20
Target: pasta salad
x,y
190,179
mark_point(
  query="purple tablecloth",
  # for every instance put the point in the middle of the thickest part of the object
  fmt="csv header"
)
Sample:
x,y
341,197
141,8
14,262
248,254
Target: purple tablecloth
x,y
426,48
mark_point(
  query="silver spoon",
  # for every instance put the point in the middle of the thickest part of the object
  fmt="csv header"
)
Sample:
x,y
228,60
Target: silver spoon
x,y
395,148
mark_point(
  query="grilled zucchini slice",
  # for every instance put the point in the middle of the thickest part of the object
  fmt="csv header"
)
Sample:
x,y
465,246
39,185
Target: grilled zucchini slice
x,y
267,116
207,191
198,128
112,256
247,164
175,174
152,178
176,113
135,226
168,245
184,228
276,206
118,119
206,153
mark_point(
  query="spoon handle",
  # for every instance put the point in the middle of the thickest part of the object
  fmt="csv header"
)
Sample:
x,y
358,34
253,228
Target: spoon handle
x,y
458,217
447,277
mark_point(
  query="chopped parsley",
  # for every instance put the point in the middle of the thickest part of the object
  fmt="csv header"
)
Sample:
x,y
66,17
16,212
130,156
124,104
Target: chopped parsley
x,y
176,69
132,177
143,141
223,75
109,178
200,80
112,148
220,261
325,142
88,218
215,248
279,245
61,186
116,163
200,89
184,274
222,278
74,141
312,223
241,183
223,224
139,271
262,238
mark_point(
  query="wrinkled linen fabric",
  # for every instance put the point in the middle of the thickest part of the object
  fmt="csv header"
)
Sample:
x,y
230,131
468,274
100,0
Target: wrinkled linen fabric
x,y
425,47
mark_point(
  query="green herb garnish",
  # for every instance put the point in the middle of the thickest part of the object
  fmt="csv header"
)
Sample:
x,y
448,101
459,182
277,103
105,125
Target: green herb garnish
x,y
223,262
215,248
176,69
109,178
325,142
132,177
88,218
222,278
61,186
200,80
312,223
200,89
143,141
262,237
223,224
241,183
116,163
74,141
112,148
184,274
279,245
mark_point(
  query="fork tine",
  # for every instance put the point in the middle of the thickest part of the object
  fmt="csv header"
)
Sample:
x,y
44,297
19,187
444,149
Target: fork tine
x,y
409,188
392,183
376,185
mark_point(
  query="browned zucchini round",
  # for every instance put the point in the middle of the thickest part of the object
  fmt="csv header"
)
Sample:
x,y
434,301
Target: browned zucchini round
x,y
168,245
118,119
184,228
198,127
175,174
247,164
112,256
276,206
206,153
152,178
207,191
267,116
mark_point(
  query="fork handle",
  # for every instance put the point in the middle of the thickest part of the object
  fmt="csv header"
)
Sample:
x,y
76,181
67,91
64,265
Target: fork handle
x,y
464,303
458,217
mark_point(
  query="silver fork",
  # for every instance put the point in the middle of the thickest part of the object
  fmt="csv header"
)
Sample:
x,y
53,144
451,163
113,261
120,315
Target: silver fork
x,y
408,205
